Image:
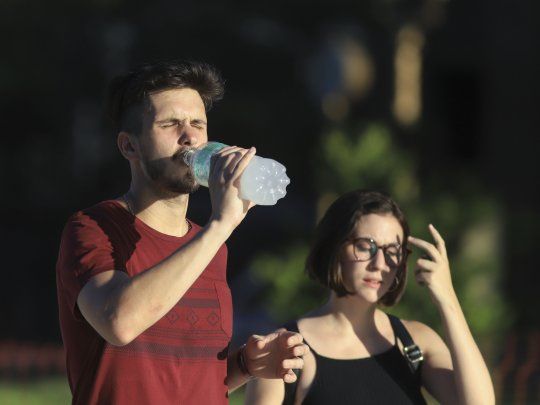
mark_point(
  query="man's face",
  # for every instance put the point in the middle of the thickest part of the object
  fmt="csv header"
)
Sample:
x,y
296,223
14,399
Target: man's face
x,y
176,122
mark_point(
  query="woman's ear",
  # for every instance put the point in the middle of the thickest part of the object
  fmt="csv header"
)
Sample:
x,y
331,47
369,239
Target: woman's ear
x,y
126,145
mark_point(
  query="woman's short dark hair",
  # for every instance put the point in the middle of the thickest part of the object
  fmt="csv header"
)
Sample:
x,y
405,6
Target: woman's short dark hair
x,y
337,227
128,94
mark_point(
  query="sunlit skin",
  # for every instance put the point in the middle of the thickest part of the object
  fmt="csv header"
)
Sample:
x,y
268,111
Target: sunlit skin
x,y
353,327
175,122
370,280
120,307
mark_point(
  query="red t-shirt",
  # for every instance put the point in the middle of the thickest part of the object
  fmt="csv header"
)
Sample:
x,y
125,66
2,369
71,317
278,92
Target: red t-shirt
x,y
182,358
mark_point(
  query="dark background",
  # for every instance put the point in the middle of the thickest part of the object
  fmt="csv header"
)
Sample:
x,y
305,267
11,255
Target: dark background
x,y
480,114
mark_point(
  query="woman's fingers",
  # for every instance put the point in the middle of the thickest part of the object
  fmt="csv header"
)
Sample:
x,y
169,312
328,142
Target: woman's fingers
x,y
426,246
425,268
439,241
426,264
423,277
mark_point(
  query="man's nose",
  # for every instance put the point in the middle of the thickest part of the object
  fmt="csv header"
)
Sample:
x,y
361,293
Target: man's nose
x,y
189,137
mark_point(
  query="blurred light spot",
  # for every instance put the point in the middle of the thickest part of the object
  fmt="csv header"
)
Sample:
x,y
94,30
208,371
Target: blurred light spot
x,y
335,106
324,203
340,72
405,186
407,103
357,67
483,241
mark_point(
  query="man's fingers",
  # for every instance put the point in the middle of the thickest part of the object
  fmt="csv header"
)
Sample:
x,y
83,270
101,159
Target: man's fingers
x,y
256,340
228,160
217,161
242,163
292,363
292,338
289,377
300,350
274,335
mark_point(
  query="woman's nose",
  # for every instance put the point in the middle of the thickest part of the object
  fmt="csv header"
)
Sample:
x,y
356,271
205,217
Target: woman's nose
x,y
379,259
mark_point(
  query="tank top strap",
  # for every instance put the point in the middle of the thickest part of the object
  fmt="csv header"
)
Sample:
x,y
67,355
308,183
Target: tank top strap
x,y
413,354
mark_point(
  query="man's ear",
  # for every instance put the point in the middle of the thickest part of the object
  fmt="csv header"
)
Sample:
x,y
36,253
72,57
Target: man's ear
x,y
126,145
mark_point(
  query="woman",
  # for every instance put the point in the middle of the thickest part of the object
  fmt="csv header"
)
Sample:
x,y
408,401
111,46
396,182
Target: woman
x,y
357,352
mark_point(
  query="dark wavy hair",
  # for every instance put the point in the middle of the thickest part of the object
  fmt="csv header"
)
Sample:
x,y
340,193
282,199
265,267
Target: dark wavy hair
x,y
337,227
128,94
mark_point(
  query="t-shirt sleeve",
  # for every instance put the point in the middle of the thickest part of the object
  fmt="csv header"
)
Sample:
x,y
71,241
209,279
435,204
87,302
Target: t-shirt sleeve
x,y
86,249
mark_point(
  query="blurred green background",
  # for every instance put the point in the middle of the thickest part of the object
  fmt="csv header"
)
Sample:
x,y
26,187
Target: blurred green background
x,y
433,101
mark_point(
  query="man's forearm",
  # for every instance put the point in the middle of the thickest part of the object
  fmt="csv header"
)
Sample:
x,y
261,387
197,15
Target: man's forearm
x,y
136,303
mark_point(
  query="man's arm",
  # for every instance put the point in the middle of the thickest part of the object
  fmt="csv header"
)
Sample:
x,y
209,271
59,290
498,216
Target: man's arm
x,y
272,356
120,308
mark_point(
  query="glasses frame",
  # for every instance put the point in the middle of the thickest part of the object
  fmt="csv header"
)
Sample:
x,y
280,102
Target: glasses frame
x,y
405,252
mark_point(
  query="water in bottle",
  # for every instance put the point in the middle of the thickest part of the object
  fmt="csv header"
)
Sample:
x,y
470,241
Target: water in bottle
x,y
263,181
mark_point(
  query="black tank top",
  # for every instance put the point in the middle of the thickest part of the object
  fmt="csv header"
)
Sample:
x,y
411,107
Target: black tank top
x,y
384,378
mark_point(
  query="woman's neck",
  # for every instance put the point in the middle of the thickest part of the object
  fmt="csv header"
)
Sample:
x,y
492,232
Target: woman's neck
x,y
350,313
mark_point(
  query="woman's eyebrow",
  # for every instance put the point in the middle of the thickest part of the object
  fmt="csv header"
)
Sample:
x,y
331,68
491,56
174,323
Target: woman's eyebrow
x,y
398,239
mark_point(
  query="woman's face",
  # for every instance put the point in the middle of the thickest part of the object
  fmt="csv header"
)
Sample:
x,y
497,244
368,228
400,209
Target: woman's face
x,y
367,270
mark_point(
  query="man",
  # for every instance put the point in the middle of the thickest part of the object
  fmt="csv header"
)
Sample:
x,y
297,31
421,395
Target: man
x,y
145,309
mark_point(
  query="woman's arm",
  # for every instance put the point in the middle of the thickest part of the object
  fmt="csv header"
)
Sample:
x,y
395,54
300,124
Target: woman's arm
x,y
456,371
264,392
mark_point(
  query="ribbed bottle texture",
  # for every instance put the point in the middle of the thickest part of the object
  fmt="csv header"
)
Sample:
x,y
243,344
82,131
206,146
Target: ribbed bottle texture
x,y
263,182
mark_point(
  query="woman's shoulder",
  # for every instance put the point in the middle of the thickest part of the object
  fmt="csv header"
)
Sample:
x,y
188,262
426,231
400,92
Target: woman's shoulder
x,y
423,335
312,320
419,331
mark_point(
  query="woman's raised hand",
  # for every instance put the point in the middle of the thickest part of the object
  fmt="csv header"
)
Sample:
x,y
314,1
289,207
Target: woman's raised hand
x,y
433,269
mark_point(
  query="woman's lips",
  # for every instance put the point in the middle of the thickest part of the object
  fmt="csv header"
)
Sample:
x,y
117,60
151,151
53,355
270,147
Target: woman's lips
x,y
371,282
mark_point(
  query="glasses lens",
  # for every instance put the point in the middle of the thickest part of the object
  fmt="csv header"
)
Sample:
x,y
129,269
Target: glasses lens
x,y
364,249
393,255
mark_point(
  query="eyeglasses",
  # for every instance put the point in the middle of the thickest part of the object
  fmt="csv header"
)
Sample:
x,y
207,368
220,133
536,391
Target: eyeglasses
x,y
366,249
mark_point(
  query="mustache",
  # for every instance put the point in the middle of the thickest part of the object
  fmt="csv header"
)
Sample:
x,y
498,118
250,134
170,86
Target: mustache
x,y
179,154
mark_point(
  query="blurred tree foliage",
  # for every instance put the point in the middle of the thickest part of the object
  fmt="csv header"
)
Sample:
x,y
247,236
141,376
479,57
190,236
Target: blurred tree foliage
x,y
465,215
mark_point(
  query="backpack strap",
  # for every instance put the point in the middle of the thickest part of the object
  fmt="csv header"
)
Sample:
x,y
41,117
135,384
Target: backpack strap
x,y
411,351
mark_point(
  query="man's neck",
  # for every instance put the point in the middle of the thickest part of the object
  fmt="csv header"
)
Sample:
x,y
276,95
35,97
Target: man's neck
x,y
164,214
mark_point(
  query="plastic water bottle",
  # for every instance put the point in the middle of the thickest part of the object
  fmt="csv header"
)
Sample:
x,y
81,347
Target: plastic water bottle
x,y
263,181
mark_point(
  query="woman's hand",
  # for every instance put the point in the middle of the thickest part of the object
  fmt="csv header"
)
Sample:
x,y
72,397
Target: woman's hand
x,y
460,375
433,269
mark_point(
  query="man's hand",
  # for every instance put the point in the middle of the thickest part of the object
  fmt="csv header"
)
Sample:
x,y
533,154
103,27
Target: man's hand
x,y
224,184
275,355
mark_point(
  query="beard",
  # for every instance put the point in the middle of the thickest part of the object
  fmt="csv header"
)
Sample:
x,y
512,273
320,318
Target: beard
x,y
171,174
